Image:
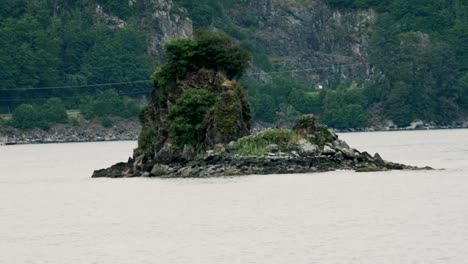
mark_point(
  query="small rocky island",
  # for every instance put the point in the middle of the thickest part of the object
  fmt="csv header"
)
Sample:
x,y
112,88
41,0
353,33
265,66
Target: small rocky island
x,y
197,124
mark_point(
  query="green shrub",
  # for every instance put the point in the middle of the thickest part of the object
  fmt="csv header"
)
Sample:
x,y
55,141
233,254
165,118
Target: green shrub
x,y
147,140
322,136
131,108
104,103
208,50
258,144
108,103
187,116
74,121
53,111
141,114
42,116
107,122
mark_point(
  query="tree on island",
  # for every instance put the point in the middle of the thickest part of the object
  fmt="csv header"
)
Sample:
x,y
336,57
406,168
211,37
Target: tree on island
x,y
197,102
208,50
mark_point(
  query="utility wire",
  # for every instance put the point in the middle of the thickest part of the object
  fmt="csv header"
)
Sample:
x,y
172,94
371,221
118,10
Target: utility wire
x,y
75,86
147,81
70,97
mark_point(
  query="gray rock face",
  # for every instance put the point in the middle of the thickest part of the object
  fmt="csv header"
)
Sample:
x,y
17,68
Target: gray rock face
x,y
327,150
160,170
310,35
171,25
188,153
305,147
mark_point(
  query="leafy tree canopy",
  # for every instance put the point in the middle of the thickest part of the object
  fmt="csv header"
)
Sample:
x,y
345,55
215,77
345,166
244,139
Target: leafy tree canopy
x,y
208,50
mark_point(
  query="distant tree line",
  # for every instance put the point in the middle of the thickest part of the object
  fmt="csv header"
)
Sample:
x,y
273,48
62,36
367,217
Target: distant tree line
x,y
102,106
43,47
420,52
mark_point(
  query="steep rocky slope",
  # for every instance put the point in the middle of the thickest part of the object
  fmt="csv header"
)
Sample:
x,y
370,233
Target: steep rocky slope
x,y
310,37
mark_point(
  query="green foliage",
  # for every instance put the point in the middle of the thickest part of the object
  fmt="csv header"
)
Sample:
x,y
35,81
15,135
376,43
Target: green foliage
x,y
147,140
75,121
344,108
42,47
25,117
187,116
208,50
3,122
419,47
141,114
117,55
257,144
281,100
202,12
42,116
309,127
108,103
463,88
218,51
107,122
321,136
54,111
119,8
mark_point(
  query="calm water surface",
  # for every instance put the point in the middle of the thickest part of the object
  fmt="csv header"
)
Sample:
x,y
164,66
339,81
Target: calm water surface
x,y
51,211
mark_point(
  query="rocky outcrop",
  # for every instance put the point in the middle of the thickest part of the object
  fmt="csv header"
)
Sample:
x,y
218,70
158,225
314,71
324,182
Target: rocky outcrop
x,y
312,148
308,36
304,160
318,42
168,25
227,120
160,20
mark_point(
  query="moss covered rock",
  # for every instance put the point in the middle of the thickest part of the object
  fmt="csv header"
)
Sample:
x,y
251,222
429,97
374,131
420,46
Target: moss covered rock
x,y
202,110
311,129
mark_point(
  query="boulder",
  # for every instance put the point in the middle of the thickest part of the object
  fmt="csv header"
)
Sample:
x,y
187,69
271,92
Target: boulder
x,y
160,170
327,150
305,147
167,154
274,148
189,152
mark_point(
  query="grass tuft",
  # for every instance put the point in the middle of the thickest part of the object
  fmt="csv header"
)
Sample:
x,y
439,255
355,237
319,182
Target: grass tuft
x,y
258,144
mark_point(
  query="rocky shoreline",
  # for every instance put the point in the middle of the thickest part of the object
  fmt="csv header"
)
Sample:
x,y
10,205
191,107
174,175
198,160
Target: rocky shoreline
x,y
306,159
130,131
120,131
413,127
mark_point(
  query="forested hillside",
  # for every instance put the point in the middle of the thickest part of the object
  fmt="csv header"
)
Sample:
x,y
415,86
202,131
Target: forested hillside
x,y
420,52
355,63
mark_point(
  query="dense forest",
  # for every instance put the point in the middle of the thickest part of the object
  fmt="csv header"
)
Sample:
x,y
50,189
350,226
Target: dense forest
x,y
72,49
418,53
420,49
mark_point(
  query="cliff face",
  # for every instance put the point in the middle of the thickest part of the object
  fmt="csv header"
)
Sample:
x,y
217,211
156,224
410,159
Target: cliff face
x,y
309,36
157,17
304,35
226,118
169,25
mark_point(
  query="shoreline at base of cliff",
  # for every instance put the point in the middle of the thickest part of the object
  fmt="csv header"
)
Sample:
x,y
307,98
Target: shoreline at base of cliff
x,y
120,131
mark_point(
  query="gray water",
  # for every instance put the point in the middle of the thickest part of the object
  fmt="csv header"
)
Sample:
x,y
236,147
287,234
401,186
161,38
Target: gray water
x,y
51,211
